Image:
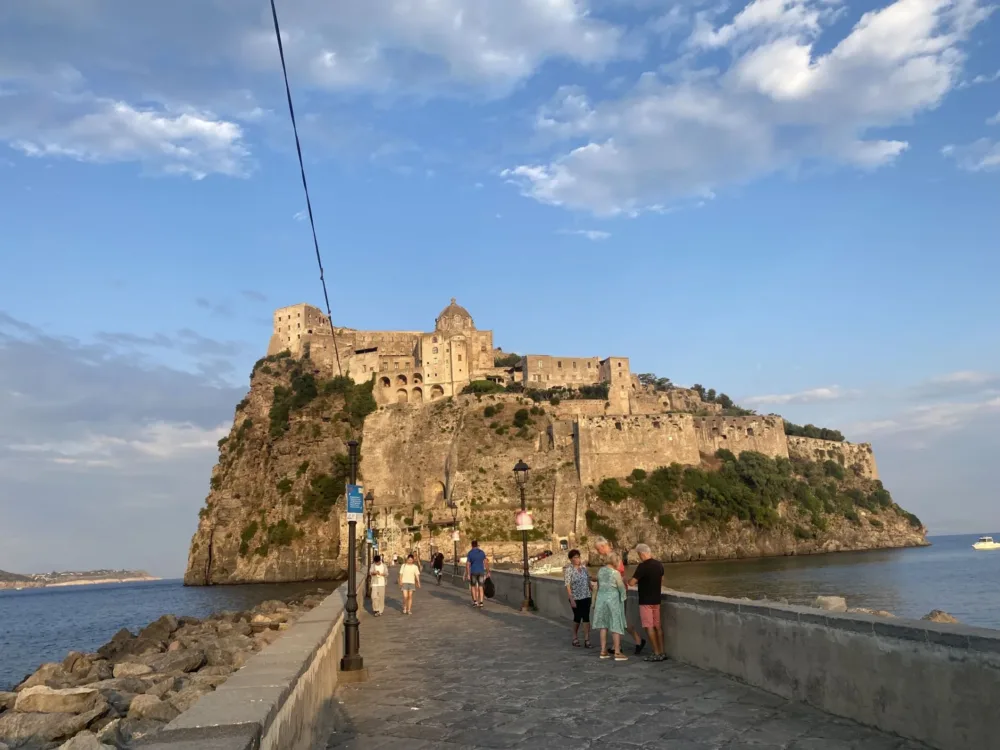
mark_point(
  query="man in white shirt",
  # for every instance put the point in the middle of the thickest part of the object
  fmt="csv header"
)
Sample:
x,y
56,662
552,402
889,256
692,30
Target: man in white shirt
x,y
380,574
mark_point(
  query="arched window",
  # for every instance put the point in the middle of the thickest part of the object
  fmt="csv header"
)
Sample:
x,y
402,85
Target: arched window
x,y
435,350
434,341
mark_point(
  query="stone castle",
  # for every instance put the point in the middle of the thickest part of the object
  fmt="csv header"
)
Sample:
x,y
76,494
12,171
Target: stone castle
x,y
635,426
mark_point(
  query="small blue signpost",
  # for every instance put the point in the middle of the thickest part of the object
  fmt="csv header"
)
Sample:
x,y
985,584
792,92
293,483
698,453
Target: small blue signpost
x,y
355,503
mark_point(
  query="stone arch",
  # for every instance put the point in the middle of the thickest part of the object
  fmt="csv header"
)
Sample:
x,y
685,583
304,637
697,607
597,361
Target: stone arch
x,y
402,396
418,395
385,382
436,392
400,380
418,379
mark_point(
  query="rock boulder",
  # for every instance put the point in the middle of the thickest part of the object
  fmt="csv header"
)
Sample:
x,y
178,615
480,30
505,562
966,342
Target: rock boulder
x,y
831,603
151,707
45,700
131,669
937,615
85,741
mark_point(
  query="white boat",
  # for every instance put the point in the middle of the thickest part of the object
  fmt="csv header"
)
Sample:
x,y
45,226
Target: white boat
x,y
986,542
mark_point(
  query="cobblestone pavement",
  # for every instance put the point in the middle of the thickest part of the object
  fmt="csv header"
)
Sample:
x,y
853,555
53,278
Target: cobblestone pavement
x,y
449,677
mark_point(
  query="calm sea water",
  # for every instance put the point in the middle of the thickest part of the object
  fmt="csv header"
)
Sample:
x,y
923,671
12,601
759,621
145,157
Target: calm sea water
x,y
949,575
40,625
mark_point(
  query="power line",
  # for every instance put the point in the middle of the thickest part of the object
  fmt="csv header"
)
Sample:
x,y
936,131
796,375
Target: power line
x,y
305,184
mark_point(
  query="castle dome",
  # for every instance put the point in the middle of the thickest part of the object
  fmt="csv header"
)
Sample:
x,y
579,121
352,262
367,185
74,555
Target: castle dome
x,y
454,318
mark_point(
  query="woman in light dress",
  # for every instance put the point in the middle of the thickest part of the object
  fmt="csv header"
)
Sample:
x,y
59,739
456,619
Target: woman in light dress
x,y
609,611
409,580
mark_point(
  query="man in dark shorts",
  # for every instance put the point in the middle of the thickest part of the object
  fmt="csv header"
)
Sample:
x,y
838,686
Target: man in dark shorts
x,y
477,570
648,576
603,547
438,565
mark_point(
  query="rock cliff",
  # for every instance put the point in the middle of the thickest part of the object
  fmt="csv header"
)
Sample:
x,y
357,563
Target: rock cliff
x,y
281,470
275,512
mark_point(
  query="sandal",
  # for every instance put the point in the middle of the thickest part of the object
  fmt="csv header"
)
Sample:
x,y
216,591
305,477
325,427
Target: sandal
x,y
586,643
576,643
605,655
619,656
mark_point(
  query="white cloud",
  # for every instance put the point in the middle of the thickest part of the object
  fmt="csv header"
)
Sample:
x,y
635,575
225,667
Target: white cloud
x,y
778,104
416,44
995,120
982,155
813,395
931,418
159,441
193,144
300,215
594,235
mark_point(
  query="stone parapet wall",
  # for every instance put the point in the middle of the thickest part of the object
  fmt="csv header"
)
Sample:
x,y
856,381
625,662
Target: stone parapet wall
x,y
756,433
930,682
858,457
281,700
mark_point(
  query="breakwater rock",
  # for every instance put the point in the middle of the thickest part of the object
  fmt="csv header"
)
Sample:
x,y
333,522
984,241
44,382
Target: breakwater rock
x,y
137,682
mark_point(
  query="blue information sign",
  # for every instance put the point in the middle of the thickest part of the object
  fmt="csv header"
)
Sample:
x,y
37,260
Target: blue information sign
x,y
355,503
371,537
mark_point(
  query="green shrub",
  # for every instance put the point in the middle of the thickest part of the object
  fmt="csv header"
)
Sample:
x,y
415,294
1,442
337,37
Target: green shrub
x,y
282,533
875,522
242,404
222,442
667,521
303,468
284,486
215,482
852,516
912,519
833,469
246,536
483,386
408,521
724,454
321,495
637,475
521,418
555,401
489,411
802,533
506,360
417,536
611,491
812,431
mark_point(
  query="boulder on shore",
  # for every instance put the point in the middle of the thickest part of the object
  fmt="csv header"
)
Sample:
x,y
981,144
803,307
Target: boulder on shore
x,y
831,603
867,611
45,700
85,741
938,615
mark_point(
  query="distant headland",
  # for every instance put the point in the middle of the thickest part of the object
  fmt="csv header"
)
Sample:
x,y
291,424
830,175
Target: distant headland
x,y
71,578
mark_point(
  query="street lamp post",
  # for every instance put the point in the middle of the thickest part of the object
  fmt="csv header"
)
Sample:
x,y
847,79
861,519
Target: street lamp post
x,y
352,661
454,532
521,477
369,502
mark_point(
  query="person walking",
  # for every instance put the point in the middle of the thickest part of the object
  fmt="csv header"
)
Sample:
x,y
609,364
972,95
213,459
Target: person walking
x,y
477,570
380,576
409,581
648,576
609,614
438,566
603,547
577,581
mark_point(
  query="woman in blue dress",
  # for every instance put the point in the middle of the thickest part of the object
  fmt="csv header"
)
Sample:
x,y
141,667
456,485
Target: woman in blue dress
x,y
609,614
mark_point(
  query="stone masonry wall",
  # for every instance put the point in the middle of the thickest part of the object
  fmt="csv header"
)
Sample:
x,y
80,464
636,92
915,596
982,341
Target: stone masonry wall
x,y
764,434
858,457
613,446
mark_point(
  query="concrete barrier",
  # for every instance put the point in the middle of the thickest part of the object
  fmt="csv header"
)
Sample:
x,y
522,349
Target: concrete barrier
x,y
278,700
931,682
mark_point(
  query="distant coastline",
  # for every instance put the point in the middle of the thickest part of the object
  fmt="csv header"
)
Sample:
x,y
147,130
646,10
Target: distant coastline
x,y
86,578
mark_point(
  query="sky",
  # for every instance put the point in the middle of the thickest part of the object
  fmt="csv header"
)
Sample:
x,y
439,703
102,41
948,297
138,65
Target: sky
x,y
791,201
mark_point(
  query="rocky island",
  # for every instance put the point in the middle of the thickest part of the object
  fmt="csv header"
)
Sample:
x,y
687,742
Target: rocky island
x,y
71,578
443,416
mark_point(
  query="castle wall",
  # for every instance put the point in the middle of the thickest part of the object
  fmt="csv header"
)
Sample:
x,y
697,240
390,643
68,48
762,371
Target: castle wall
x,y
612,446
358,366
675,399
764,434
543,371
858,457
582,407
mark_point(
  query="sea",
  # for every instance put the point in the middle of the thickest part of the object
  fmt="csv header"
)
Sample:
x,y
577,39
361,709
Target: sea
x,y
43,625
40,625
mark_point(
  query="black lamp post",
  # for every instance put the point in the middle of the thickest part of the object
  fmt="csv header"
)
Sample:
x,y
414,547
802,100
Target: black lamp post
x,y
369,503
352,661
454,532
521,477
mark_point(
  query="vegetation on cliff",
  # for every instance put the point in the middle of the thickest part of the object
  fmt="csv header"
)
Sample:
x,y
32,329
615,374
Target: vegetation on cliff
x,y
281,471
752,489
812,431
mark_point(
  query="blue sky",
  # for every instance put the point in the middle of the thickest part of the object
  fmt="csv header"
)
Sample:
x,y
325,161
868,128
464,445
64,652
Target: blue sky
x,y
792,201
